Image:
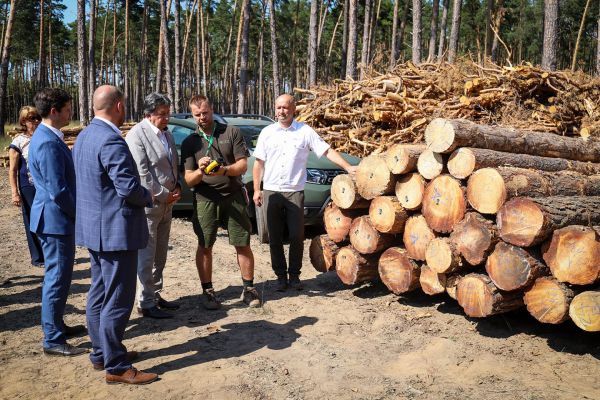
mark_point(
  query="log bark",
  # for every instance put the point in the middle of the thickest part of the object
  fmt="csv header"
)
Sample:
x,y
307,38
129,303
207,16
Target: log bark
x,y
442,256
398,271
344,193
444,203
353,267
337,222
409,191
513,268
431,282
387,214
585,310
417,235
548,300
402,158
366,239
573,255
452,283
322,252
489,188
479,297
526,222
373,178
465,160
474,238
430,164
445,136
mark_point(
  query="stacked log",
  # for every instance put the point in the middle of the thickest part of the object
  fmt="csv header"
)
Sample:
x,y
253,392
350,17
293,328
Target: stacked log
x,y
505,223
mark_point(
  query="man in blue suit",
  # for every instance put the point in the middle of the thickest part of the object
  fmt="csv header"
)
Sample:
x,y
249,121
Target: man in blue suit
x,y
53,216
111,223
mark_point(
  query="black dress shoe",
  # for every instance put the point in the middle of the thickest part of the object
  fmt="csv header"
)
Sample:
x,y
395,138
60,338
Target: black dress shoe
x,y
74,330
167,305
294,282
154,312
282,284
64,350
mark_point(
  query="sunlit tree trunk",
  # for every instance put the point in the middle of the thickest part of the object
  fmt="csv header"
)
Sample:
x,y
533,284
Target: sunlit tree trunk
x,y
244,57
82,63
455,31
433,31
92,53
444,21
4,64
177,99
312,42
352,39
550,44
416,41
274,50
364,51
394,45
42,72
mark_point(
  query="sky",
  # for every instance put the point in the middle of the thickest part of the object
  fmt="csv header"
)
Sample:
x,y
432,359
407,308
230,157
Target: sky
x,y
71,11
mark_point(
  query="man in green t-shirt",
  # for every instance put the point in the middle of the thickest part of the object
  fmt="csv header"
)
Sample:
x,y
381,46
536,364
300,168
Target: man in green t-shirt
x,y
220,197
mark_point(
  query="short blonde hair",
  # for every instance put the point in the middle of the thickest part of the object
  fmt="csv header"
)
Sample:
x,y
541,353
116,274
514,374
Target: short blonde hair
x,y
27,112
198,99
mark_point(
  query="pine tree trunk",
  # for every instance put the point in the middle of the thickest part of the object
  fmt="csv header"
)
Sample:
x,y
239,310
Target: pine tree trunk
x,y
394,45
274,50
92,52
178,63
598,49
4,64
42,72
444,22
581,25
407,3
344,55
417,31
312,43
103,76
244,57
455,31
126,82
82,63
164,12
352,39
550,44
489,11
364,52
114,48
434,29
497,24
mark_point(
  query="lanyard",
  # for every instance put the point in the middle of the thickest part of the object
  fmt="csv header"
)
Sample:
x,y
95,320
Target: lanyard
x,y
212,138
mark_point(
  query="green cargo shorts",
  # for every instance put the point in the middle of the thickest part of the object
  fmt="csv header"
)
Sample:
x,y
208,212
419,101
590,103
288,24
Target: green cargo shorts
x,y
230,212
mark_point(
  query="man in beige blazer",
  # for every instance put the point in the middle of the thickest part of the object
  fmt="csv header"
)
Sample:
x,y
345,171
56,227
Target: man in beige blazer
x,y
153,149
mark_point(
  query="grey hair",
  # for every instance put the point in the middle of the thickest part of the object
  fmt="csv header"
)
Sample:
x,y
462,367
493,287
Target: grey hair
x,y
155,100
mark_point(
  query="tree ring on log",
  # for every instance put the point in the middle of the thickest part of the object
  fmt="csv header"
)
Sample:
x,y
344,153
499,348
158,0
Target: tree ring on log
x,y
443,203
486,191
520,222
409,191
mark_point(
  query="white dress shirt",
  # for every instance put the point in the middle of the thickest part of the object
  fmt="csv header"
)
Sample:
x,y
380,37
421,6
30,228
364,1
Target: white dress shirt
x,y
285,153
161,136
57,132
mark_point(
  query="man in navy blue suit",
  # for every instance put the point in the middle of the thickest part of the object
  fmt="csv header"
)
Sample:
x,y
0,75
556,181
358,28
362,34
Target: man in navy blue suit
x,y
53,216
111,223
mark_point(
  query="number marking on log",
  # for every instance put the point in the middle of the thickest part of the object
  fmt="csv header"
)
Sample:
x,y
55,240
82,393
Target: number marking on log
x,y
414,238
586,313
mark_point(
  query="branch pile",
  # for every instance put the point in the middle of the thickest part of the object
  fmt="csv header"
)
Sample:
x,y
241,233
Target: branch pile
x,y
370,115
509,220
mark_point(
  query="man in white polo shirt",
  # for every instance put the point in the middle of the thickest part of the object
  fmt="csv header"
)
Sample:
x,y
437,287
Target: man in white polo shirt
x,y
281,155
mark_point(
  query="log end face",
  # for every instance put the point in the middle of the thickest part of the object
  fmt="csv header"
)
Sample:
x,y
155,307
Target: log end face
x,y
461,163
397,271
346,262
474,296
444,203
430,164
343,191
508,267
574,255
439,135
417,236
486,191
546,302
373,178
409,191
438,255
585,311
521,222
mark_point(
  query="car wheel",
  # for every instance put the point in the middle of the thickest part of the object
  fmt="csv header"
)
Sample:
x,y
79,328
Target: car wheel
x,y
261,225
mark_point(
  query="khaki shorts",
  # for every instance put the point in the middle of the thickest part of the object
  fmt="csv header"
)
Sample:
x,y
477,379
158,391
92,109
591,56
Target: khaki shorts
x,y
231,213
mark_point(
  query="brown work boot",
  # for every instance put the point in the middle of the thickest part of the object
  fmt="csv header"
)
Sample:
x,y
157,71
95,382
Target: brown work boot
x,y
130,356
210,301
132,377
250,297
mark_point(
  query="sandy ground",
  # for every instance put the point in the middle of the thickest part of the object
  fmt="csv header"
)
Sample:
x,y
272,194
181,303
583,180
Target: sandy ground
x,y
326,342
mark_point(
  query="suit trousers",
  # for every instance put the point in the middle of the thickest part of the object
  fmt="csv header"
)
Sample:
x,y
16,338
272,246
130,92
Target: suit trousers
x,y
35,247
59,253
152,259
285,209
109,305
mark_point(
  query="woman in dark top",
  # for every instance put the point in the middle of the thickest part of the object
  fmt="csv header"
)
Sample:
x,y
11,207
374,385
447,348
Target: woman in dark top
x,y
21,184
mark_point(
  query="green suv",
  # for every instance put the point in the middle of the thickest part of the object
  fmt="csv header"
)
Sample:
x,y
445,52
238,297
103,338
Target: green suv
x,y
320,172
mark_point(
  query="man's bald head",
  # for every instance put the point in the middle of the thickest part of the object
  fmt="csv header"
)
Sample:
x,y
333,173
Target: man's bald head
x,y
108,104
287,99
106,97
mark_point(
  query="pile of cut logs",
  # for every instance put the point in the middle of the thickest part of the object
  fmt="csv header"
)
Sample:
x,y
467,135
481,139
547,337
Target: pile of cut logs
x,y
370,115
497,218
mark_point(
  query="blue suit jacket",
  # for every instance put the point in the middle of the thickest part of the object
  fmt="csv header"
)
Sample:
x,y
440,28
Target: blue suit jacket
x,y
110,197
51,167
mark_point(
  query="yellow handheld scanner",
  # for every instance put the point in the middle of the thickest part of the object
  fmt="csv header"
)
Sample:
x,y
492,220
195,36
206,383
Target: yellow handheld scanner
x,y
212,167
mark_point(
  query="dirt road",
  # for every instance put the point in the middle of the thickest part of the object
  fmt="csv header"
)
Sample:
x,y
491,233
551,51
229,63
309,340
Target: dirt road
x,y
326,342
